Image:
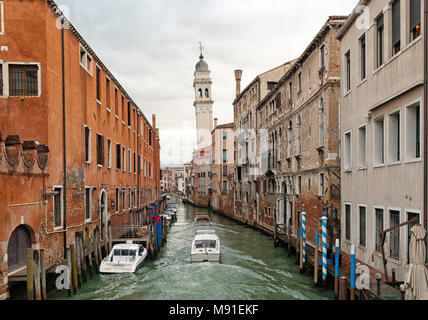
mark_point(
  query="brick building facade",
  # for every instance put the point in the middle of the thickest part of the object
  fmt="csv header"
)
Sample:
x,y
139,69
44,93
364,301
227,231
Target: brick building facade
x,y
103,152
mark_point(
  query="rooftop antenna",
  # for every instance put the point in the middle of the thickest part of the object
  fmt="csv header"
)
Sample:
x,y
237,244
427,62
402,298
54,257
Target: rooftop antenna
x,y
201,48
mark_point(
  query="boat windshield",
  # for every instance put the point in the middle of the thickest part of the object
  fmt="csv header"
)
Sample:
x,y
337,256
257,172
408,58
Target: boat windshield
x,y
124,252
199,244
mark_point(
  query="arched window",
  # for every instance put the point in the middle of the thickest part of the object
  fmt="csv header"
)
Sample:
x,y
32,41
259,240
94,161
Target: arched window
x,y
200,93
207,93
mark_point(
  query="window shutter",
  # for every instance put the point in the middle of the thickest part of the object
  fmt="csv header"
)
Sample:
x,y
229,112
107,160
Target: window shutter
x,y
278,100
395,22
415,13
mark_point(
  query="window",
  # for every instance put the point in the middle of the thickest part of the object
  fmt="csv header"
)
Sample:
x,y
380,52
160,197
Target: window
x,y
379,41
363,221
321,123
224,170
224,155
347,151
224,186
300,82
379,142
322,57
394,137
207,93
1,79
58,207
117,199
98,73
87,144
348,71
1,18
299,135
118,165
129,114
363,57
108,153
321,185
124,158
362,147
123,108
411,216
129,198
88,203
135,163
291,91
379,228
100,149
396,37
348,222
23,80
394,244
116,102
413,132
85,60
107,93
309,184
415,19
129,161
224,135
123,199
289,139
299,185
271,85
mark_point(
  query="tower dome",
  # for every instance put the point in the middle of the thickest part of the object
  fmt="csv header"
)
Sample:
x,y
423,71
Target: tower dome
x,y
202,65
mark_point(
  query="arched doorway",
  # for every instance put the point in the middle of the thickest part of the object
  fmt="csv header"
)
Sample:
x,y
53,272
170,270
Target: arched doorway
x,y
103,213
19,241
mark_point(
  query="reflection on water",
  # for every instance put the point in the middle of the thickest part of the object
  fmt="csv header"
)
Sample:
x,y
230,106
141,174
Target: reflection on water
x,y
250,268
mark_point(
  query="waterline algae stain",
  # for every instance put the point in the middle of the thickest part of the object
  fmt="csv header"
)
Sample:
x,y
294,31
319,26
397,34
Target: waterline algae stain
x,y
250,269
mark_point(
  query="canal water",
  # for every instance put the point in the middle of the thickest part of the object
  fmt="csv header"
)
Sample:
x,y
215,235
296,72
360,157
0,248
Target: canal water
x,y
250,269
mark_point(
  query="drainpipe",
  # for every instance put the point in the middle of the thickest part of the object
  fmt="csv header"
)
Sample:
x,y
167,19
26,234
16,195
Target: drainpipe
x,y
64,141
425,22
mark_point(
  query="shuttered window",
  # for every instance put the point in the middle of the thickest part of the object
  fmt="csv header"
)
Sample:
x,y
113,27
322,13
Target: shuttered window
x,y
117,156
57,203
348,70
380,39
88,203
363,57
117,200
396,37
379,228
100,149
1,79
394,245
415,18
23,80
87,144
363,226
98,72
278,100
348,221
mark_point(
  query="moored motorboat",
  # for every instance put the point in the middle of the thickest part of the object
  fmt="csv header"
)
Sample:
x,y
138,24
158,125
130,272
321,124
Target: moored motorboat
x,y
205,247
124,258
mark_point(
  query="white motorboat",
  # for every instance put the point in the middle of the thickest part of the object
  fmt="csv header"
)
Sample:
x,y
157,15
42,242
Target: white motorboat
x,y
124,258
202,219
205,247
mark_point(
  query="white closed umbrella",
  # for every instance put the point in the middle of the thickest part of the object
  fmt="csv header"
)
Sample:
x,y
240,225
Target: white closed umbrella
x,y
416,281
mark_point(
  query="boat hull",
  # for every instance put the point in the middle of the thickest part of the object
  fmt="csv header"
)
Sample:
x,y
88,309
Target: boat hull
x,y
202,257
107,267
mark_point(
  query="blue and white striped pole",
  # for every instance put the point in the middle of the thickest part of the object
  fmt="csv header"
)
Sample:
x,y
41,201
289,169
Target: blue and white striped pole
x,y
353,272
336,270
316,263
324,246
304,235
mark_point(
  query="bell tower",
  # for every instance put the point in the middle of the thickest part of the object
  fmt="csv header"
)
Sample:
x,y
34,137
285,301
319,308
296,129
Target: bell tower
x,y
203,102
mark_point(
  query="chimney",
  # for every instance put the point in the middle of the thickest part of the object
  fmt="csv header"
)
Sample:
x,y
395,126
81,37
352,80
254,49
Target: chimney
x,y
154,121
215,122
238,76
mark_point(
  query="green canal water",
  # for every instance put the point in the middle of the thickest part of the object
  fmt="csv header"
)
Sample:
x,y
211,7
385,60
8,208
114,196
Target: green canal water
x,y
250,269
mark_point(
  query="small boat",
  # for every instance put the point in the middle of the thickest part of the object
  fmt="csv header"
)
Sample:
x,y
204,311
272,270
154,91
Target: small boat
x,y
124,258
202,218
205,247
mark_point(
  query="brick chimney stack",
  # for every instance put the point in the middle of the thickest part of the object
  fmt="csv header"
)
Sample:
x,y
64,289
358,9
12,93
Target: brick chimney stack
x,y
238,77
215,122
154,121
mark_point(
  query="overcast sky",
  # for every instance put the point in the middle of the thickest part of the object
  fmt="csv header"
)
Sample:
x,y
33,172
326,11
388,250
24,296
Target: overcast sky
x,y
151,46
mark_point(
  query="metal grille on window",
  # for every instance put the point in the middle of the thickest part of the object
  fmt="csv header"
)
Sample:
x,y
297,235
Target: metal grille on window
x,y
363,226
23,80
57,207
379,228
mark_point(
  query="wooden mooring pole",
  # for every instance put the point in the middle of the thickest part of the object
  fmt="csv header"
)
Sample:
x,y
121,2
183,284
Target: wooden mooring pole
x,y
30,274
95,247
43,273
316,264
343,293
37,290
74,269
78,265
83,261
88,243
68,255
